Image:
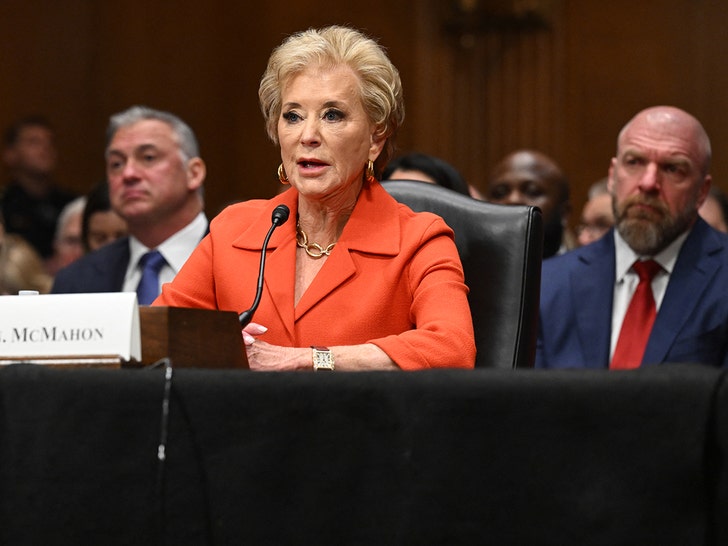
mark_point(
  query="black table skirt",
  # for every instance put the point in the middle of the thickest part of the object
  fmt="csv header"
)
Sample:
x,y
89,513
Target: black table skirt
x,y
439,457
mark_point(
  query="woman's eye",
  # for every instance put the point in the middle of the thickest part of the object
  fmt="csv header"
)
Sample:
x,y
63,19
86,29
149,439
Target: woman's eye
x,y
333,115
291,117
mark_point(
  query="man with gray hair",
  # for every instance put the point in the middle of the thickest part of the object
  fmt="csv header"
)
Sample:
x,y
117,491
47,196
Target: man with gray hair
x,y
155,177
653,289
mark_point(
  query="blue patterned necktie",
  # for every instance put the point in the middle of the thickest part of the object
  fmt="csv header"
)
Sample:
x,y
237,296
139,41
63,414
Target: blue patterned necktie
x,y
148,289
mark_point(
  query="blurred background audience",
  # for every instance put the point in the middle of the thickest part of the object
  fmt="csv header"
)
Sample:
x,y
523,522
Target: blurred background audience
x,y
529,177
426,168
714,209
32,201
21,268
67,246
100,224
597,215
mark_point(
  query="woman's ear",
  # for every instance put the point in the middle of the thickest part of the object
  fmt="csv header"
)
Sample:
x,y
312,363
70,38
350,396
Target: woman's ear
x,y
376,146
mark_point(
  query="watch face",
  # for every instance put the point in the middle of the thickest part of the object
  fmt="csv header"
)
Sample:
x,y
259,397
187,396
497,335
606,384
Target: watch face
x,y
323,360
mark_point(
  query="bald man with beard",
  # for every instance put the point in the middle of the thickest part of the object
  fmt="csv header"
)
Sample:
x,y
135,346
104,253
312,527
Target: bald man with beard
x,y
658,180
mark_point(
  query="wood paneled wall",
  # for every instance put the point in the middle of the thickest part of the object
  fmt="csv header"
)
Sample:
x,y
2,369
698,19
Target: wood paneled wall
x,y
474,89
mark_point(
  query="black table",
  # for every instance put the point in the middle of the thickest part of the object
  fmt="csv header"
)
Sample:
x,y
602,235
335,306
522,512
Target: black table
x,y
438,457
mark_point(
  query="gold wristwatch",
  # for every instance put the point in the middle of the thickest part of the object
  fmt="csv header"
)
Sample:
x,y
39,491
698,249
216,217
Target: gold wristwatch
x,y
323,359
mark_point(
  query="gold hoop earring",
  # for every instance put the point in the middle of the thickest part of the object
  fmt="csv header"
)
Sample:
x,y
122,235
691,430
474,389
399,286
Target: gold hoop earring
x,y
370,176
282,174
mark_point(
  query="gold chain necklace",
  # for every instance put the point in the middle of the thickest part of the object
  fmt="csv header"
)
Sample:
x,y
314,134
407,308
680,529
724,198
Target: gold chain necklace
x,y
314,250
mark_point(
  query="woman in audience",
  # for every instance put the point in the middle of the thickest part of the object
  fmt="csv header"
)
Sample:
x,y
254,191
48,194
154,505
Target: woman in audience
x,y
426,168
100,224
355,280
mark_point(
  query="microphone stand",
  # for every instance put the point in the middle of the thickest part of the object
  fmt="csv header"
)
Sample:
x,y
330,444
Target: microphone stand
x,y
279,217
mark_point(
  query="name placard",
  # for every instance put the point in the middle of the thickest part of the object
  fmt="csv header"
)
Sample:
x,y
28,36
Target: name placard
x,y
69,325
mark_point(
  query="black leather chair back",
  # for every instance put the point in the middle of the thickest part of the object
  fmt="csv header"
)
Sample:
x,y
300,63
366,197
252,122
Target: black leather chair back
x,y
501,250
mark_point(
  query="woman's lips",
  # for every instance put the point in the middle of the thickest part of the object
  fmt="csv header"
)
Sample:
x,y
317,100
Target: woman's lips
x,y
311,166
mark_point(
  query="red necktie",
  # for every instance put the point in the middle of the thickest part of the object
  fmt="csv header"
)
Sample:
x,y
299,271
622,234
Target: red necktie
x,y
638,321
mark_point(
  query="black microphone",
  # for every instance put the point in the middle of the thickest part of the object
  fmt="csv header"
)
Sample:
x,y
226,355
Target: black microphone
x,y
279,217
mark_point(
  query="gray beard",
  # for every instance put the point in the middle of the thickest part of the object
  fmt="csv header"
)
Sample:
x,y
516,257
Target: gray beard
x,y
649,238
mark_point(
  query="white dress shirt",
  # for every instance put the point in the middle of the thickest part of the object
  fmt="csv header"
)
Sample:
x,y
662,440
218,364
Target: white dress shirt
x,y
175,250
626,280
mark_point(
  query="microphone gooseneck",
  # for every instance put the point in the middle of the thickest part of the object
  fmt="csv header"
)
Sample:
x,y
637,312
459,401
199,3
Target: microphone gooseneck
x,y
279,217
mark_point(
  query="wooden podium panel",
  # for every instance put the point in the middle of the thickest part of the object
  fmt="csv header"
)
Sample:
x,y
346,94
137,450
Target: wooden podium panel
x,y
199,338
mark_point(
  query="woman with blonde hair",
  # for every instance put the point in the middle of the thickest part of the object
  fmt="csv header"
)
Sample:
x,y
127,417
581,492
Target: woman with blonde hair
x,y
354,280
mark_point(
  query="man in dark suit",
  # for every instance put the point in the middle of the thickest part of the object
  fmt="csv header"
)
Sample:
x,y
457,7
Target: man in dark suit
x,y
658,180
155,180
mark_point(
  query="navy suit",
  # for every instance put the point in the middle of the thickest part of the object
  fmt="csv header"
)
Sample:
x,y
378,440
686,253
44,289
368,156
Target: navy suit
x,y
100,271
691,324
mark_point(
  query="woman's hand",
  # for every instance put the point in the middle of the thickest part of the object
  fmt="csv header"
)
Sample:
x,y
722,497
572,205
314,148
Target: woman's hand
x,y
263,356
250,331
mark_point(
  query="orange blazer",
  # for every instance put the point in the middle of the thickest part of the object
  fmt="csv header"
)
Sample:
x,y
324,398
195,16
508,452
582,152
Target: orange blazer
x,y
394,279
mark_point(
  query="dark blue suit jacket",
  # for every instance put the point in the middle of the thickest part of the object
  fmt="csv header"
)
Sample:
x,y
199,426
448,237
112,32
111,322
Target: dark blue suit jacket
x,y
99,271
691,325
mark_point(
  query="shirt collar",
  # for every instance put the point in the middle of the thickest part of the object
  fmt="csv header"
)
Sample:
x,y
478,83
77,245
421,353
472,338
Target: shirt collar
x,y
177,248
625,256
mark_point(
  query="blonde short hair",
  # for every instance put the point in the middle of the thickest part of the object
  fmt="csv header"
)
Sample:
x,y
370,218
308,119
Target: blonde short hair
x,y
329,47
